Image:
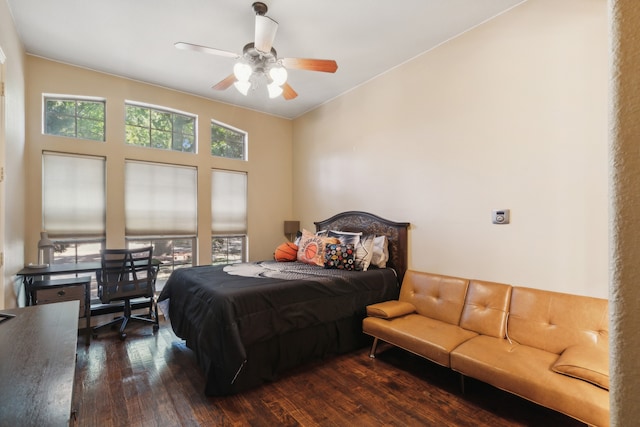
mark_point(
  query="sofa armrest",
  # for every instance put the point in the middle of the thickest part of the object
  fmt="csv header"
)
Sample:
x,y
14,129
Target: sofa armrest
x,y
390,309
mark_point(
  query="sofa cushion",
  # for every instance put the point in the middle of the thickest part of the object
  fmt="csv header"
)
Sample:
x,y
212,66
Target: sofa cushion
x,y
390,309
429,338
486,307
553,321
436,296
526,372
586,362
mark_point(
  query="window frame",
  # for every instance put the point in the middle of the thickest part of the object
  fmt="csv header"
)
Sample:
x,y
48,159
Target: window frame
x,y
243,253
56,97
245,140
162,110
165,268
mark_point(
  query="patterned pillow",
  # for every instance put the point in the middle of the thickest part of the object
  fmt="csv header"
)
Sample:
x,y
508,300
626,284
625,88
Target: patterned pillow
x,y
311,248
380,251
339,256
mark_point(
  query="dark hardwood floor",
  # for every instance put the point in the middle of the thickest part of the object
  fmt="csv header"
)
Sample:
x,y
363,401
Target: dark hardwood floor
x,y
153,380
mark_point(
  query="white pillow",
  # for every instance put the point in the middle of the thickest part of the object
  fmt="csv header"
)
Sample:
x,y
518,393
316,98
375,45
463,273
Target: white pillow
x,y
380,251
364,252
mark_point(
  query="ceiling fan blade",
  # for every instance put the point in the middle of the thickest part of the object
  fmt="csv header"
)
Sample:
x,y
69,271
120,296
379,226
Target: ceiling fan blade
x,y
265,33
205,49
225,83
324,65
288,92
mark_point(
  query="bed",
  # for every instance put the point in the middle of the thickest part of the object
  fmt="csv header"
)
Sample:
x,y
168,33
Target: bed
x,y
247,323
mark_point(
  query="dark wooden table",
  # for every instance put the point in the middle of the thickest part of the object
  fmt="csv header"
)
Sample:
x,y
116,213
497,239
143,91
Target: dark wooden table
x,y
37,364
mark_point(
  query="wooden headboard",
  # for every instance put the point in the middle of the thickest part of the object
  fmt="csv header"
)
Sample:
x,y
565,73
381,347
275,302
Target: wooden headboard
x,y
357,221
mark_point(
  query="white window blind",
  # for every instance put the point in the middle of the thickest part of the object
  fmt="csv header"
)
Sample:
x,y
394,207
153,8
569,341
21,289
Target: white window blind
x,y
73,195
228,202
160,200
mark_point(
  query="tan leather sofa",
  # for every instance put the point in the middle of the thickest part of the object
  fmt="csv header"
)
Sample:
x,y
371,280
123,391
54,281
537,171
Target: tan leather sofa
x,y
548,347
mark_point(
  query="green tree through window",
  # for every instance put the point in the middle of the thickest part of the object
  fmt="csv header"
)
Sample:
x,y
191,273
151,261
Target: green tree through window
x,y
227,142
75,118
155,128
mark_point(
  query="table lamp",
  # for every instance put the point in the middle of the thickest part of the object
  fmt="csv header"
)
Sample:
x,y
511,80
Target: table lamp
x,y
45,249
291,228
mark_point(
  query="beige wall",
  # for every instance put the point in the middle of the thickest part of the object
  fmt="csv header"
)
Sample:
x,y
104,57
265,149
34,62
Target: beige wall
x,y
269,165
510,115
12,144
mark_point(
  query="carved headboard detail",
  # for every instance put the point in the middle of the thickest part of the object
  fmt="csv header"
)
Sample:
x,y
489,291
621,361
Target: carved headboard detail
x,y
367,223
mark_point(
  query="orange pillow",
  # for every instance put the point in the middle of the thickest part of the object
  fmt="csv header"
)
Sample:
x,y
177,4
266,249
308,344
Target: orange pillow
x,y
286,252
311,248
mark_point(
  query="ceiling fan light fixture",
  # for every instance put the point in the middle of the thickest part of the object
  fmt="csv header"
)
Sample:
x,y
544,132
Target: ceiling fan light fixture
x,y
274,90
243,87
278,75
242,71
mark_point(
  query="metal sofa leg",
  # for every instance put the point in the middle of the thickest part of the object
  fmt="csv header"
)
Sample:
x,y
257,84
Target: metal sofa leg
x,y
372,353
462,383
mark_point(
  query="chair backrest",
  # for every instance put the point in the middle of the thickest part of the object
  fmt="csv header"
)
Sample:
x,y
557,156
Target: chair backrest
x,y
126,274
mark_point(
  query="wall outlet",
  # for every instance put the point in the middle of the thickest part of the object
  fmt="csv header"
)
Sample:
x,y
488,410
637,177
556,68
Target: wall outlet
x,y
500,216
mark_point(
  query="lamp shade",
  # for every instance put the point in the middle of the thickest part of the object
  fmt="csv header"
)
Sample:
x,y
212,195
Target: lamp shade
x,y
242,71
278,75
243,87
274,90
291,227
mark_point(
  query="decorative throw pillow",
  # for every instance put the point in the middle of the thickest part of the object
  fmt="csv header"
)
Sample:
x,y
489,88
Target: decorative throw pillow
x,y
586,362
364,252
339,256
346,237
311,248
287,251
363,246
380,251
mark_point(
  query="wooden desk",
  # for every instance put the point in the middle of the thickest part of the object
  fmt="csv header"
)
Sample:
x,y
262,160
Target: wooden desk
x,y
37,364
30,275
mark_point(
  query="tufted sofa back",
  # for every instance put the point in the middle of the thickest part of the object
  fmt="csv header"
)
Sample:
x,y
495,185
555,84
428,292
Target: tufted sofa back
x,y
553,321
486,307
433,295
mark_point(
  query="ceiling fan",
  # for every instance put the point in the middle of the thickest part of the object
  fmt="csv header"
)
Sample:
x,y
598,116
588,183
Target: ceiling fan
x,y
259,63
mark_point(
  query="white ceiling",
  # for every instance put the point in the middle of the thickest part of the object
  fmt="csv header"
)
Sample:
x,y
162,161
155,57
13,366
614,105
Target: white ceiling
x,y
134,39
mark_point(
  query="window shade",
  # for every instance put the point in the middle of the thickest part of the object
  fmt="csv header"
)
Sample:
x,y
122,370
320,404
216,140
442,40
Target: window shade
x,y
228,202
73,195
160,200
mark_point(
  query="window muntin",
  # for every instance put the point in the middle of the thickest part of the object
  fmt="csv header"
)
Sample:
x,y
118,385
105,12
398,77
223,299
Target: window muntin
x,y
159,128
75,117
160,199
228,142
73,195
228,249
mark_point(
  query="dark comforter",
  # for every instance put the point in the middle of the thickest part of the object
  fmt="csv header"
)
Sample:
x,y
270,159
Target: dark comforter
x,y
254,320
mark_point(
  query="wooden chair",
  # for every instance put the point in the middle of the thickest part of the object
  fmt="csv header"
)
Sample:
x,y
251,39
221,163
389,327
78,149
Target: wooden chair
x,y
127,274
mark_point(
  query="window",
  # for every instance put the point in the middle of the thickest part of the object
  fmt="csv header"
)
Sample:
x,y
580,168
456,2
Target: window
x,y
74,118
228,142
228,216
160,200
73,251
73,195
173,253
227,250
158,128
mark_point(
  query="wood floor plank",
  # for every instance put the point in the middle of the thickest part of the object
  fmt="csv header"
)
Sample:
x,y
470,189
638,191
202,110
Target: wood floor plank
x,y
153,380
